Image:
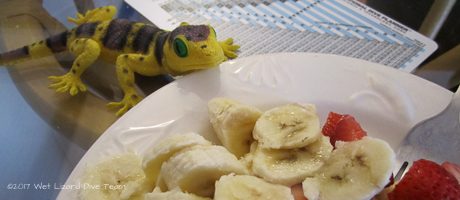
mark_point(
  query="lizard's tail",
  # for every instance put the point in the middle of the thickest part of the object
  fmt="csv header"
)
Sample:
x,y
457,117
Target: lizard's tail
x,y
51,45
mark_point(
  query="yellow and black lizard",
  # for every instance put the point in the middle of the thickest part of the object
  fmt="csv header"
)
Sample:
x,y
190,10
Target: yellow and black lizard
x,y
134,47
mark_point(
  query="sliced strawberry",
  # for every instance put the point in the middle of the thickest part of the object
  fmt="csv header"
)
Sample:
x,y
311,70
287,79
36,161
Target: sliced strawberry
x,y
426,180
297,192
453,169
343,128
348,129
331,123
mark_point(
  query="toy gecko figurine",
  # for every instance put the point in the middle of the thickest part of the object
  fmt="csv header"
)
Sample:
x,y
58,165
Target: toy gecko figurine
x,y
134,48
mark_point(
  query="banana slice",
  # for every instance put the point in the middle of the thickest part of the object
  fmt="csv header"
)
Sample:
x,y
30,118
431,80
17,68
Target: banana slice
x,y
244,187
121,177
195,170
164,150
160,184
246,160
291,166
286,127
233,123
355,170
175,194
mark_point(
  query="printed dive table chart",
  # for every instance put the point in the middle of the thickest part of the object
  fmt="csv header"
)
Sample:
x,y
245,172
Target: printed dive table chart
x,y
342,27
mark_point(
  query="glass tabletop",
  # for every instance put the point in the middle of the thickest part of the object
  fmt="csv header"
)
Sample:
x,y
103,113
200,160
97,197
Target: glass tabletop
x,y
44,134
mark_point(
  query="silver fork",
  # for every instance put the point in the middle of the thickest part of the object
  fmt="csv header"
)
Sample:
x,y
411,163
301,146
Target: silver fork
x,y
436,138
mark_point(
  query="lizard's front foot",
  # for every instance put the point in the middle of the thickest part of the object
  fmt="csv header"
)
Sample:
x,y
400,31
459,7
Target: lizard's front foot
x,y
67,82
229,48
128,101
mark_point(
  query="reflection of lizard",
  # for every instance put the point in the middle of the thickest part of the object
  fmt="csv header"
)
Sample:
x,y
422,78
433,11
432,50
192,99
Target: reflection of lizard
x,y
133,47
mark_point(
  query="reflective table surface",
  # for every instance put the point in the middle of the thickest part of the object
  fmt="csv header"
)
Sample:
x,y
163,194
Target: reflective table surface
x,y
43,134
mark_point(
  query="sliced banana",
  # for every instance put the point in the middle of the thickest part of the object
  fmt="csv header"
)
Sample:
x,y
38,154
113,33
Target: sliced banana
x,y
233,123
175,194
246,160
195,170
244,187
166,148
355,170
291,166
286,127
121,177
160,184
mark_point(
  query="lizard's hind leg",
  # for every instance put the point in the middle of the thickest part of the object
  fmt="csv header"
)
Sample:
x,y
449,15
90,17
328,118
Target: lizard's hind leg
x,y
87,51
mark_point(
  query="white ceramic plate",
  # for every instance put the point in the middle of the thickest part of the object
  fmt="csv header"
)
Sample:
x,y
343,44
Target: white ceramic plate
x,y
386,102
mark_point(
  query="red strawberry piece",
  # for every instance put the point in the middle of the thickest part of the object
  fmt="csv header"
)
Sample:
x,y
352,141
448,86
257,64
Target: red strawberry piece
x,y
426,180
453,169
331,123
348,129
297,192
343,128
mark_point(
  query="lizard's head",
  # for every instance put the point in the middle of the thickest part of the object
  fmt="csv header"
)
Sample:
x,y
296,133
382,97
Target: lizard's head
x,y
192,47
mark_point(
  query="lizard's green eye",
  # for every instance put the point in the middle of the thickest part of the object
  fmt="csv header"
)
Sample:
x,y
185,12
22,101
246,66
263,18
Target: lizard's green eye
x,y
180,48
